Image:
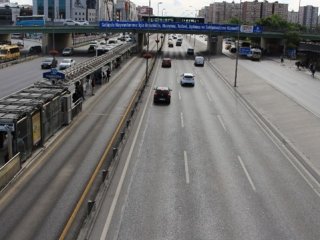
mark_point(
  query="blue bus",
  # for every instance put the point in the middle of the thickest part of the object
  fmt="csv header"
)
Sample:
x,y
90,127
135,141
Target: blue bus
x,y
34,20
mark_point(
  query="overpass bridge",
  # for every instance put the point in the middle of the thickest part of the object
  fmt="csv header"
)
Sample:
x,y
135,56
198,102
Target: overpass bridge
x,y
59,36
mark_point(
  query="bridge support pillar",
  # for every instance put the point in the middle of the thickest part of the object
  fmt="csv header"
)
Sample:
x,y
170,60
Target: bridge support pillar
x,y
57,41
214,45
140,42
263,43
5,37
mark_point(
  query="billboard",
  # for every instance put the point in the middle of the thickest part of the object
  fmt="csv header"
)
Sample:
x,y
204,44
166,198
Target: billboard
x,y
173,26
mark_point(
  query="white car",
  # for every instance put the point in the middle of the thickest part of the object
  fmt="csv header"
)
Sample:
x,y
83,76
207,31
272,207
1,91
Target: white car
x,y
68,51
83,22
199,61
66,63
70,22
187,79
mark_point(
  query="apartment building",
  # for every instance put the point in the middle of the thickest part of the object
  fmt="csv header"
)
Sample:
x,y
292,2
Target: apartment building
x,y
280,9
251,11
308,16
293,17
220,12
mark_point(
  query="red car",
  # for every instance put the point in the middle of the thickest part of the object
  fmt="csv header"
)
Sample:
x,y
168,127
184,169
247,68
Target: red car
x,y
162,95
166,62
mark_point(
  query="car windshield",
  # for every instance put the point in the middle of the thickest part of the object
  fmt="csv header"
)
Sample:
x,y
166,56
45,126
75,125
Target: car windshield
x,y
161,91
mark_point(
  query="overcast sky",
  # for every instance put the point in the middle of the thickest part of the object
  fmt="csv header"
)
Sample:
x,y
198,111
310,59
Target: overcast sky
x,y
189,7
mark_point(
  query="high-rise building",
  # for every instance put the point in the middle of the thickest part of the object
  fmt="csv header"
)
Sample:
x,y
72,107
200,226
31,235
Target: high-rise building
x,y
293,17
308,16
65,9
8,13
220,12
266,9
251,11
281,10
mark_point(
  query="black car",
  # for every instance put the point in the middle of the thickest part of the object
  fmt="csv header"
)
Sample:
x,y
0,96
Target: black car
x,y
190,51
35,50
162,95
48,63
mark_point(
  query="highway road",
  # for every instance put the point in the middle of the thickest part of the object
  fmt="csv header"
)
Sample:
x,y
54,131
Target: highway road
x,y
200,168
203,168
38,204
22,75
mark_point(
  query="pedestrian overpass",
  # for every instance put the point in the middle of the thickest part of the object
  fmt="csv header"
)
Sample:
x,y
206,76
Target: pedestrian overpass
x,y
59,36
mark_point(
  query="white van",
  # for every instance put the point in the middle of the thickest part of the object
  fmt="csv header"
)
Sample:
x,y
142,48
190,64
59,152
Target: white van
x,y
199,61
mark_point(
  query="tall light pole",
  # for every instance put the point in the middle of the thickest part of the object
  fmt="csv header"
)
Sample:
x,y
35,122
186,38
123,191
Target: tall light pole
x,y
237,55
163,9
157,33
147,57
158,7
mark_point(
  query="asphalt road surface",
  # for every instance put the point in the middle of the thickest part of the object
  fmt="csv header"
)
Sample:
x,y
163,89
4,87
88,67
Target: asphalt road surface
x,y
203,168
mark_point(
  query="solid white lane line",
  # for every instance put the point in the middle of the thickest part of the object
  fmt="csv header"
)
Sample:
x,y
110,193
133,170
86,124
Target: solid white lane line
x,y
209,97
247,174
222,123
182,122
179,95
124,172
186,167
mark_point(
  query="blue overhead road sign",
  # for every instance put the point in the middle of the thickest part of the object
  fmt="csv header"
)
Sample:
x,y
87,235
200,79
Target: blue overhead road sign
x,y
169,26
54,74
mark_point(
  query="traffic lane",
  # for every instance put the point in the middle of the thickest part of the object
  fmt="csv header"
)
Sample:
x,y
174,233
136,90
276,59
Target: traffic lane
x,y
285,198
162,199
222,175
22,75
50,188
156,147
296,84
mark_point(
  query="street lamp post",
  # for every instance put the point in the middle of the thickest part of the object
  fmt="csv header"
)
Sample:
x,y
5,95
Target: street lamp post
x,y
163,11
237,55
147,58
157,33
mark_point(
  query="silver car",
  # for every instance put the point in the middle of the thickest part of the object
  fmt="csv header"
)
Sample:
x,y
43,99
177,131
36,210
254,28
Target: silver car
x,y
66,63
187,79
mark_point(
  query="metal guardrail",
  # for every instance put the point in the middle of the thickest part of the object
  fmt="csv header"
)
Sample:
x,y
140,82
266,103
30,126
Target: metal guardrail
x,y
80,71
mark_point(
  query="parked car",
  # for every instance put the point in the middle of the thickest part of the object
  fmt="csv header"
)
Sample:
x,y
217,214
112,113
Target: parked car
x,y
190,51
187,79
162,95
166,62
67,51
66,63
48,63
199,61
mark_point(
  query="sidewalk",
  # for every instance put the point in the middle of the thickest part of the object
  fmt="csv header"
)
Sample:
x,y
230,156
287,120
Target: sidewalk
x,y
291,64
296,127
